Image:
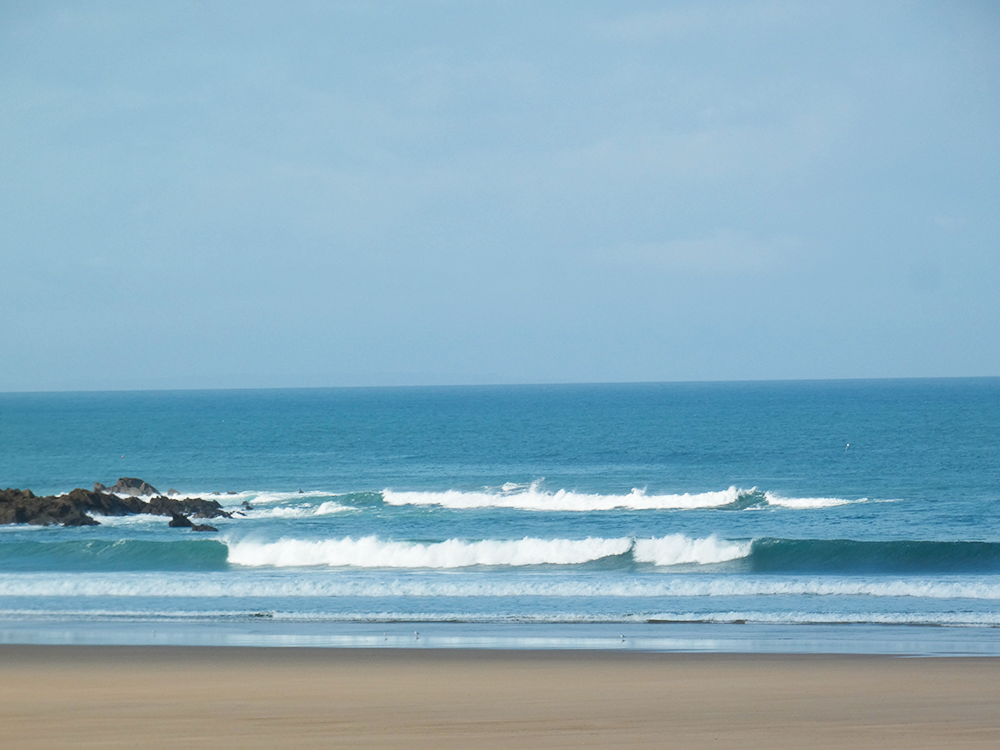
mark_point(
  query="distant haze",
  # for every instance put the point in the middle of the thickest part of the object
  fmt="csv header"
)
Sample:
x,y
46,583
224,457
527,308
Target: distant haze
x,y
240,194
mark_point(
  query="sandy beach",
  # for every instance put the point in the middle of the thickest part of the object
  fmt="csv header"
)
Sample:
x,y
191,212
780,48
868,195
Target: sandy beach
x,y
169,697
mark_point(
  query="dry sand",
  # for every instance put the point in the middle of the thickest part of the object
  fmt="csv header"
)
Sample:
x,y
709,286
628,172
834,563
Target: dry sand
x,y
175,697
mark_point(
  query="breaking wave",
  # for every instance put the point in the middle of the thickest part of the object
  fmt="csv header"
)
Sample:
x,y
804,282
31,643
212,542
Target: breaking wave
x,y
296,511
763,556
529,497
372,552
532,497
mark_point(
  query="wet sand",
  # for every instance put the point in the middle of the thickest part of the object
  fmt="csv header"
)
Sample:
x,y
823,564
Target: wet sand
x,y
171,697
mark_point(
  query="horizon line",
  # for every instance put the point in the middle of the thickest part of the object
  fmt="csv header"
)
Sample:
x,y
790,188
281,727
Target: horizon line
x,y
719,381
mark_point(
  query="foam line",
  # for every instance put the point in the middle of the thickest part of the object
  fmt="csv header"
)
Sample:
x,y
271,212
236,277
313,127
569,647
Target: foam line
x,y
286,584
532,498
800,503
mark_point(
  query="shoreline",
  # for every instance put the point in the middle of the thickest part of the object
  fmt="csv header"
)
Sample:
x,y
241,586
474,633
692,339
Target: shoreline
x,y
885,639
170,696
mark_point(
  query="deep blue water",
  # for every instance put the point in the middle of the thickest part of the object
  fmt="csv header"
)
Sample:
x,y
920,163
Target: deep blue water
x,y
788,506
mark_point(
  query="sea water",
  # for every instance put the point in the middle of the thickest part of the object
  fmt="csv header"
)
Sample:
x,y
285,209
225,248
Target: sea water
x,y
780,516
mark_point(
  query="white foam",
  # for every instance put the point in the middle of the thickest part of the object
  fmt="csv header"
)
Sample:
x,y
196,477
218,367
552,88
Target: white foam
x,y
277,584
254,497
279,497
533,498
677,549
138,519
524,496
802,503
297,511
372,552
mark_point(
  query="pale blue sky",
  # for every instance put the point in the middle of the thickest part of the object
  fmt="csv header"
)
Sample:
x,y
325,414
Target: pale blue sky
x,y
216,194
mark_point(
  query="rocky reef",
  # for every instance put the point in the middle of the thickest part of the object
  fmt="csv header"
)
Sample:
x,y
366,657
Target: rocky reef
x,y
125,498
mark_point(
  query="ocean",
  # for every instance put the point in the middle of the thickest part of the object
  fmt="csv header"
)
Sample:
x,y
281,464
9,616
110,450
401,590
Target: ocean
x,y
815,516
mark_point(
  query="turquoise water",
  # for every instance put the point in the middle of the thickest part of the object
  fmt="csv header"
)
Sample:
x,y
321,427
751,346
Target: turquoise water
x,y
721,516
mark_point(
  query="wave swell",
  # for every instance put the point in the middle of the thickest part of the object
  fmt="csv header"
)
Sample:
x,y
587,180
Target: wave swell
x,y
372,552
763,556
846,556
123,554
760,556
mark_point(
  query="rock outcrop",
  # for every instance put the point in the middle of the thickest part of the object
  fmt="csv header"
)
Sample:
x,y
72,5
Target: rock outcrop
x,y
180,521
191,506
105,504
22,506
75,508
128,486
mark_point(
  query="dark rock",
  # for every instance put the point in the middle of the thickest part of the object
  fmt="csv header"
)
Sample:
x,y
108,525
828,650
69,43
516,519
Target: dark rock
x,y
105,504
191,506
133,486
73,509
22,506
179,521
98,487
172,492
247,506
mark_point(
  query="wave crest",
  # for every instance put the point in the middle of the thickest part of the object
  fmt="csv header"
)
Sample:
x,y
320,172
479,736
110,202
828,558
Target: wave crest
x,y
533,498
372,552
677,549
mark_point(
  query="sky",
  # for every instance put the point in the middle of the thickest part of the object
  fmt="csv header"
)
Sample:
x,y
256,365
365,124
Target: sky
x,y
310,194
